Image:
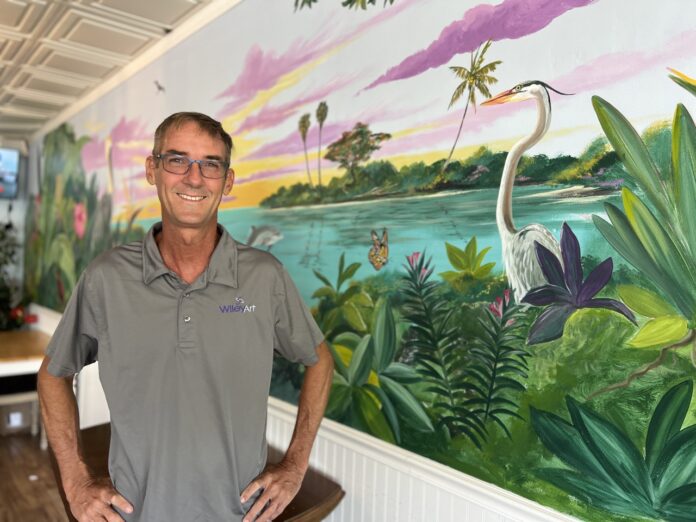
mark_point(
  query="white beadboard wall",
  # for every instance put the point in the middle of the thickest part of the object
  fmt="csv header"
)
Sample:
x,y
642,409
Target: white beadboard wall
x,y
383,482
386,483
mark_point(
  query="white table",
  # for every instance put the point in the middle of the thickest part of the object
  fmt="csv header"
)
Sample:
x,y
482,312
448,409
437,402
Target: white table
x,y
21,353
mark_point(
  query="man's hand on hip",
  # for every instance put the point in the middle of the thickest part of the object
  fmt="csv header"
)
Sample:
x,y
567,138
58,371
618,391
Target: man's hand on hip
x,y
279,483
92,499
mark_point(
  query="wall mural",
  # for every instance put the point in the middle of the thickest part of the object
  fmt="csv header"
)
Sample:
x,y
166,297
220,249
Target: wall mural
x,y
507,288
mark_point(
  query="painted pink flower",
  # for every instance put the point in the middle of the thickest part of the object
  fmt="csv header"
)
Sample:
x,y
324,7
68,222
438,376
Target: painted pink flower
x,y
506,295
496,307
413,259
80,219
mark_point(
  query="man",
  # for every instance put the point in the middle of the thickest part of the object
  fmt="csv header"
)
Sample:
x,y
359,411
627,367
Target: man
x,y
184,325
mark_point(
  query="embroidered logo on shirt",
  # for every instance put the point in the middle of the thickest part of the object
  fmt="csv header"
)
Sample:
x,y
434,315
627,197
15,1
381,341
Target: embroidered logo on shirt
x,y
239,306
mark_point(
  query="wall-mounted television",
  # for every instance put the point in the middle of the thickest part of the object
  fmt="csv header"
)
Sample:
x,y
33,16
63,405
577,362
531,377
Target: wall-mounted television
x,y
9,173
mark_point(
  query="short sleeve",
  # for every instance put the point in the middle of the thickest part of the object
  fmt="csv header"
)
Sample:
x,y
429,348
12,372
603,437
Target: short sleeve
x,y
296,333
74,343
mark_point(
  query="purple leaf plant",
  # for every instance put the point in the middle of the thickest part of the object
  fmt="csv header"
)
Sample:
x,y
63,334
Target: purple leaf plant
x,y
566,292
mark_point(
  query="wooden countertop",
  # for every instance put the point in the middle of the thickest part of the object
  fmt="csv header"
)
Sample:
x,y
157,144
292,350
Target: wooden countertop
x,y
20,345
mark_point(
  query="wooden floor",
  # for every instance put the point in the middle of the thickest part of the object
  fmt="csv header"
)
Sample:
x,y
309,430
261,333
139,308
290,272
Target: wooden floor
x,y
23,499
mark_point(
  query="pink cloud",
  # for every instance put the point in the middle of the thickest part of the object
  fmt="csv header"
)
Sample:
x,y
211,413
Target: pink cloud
x,y
615,67
269,174
263,69
93,155
270,116
511,19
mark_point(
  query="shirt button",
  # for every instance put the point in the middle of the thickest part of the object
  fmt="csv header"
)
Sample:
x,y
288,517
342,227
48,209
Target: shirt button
x,y
187,319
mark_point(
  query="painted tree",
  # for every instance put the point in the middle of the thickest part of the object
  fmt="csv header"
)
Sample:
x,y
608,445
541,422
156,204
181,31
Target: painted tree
x,y
354,147
362,4
322,113
476,78
303,126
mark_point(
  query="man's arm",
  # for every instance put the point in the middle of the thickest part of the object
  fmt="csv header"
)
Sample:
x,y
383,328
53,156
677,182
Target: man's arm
x,y
282,481
90,498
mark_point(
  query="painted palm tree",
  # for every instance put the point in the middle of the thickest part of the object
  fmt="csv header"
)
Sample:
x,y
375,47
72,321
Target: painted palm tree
x,y
476,78
322,113
303,127
519,252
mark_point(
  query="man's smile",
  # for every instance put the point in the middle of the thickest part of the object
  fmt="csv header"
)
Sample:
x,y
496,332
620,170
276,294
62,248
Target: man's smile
x,y
189,197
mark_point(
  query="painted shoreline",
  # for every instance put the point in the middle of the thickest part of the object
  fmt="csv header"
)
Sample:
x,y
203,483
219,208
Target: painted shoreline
x,y
566,192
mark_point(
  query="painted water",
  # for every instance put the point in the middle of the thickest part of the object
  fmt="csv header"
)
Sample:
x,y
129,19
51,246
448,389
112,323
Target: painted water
x,y
314,237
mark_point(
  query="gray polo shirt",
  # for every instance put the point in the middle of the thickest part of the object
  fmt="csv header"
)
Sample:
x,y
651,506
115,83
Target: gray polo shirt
x,y
185,369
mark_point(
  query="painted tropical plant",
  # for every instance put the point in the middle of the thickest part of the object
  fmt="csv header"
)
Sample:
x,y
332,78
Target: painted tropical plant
x,y
361,4
369,387
496,366
342,310
355,147
68,224
321,114
474,79
303,127
567,290
655,231
468,265
437,350
605,468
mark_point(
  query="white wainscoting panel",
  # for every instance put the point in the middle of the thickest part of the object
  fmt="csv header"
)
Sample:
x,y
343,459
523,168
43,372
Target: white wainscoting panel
x,y
386,483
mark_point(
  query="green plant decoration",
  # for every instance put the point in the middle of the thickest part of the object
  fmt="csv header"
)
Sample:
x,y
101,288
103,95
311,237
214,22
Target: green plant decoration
x,y
369,387
683,80
497,365
606,470
340,311
468,265
656,235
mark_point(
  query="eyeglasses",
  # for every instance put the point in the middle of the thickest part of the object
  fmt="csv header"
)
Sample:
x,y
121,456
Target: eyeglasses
x,y
178,164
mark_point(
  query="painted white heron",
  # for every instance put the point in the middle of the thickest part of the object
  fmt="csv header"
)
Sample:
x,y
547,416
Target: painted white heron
x,y
519,254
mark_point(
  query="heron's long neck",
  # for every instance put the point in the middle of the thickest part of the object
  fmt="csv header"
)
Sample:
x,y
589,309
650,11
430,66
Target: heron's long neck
x,y
503,212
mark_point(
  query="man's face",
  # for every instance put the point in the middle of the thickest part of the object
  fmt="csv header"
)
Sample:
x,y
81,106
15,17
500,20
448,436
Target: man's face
x,y
189,200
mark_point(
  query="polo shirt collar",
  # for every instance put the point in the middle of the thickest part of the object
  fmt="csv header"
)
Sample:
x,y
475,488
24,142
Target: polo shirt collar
x,y
222,267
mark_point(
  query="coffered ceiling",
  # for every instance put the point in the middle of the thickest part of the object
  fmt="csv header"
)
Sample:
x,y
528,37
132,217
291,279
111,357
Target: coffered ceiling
x,y
52,53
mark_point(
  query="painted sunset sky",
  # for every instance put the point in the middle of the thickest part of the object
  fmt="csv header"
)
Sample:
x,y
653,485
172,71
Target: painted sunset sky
x,y
261,65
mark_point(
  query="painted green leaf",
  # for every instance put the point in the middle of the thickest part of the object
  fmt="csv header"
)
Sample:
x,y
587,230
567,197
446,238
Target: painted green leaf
x,y
483,271
614,451
661,331
470,253
384,336
351,292
667,420
676,464
591,492
341,356
361,362
402,373
409,407
655,238
340,397
322,278
622,237
349,339
644,302
457,257
354,317
680,505
362,298
684,172
481,255
565,442
348,273
633,153
371,415
388,409
324,291
61,254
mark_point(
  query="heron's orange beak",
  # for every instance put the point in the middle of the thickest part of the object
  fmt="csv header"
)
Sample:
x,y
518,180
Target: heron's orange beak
x,y
503,97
